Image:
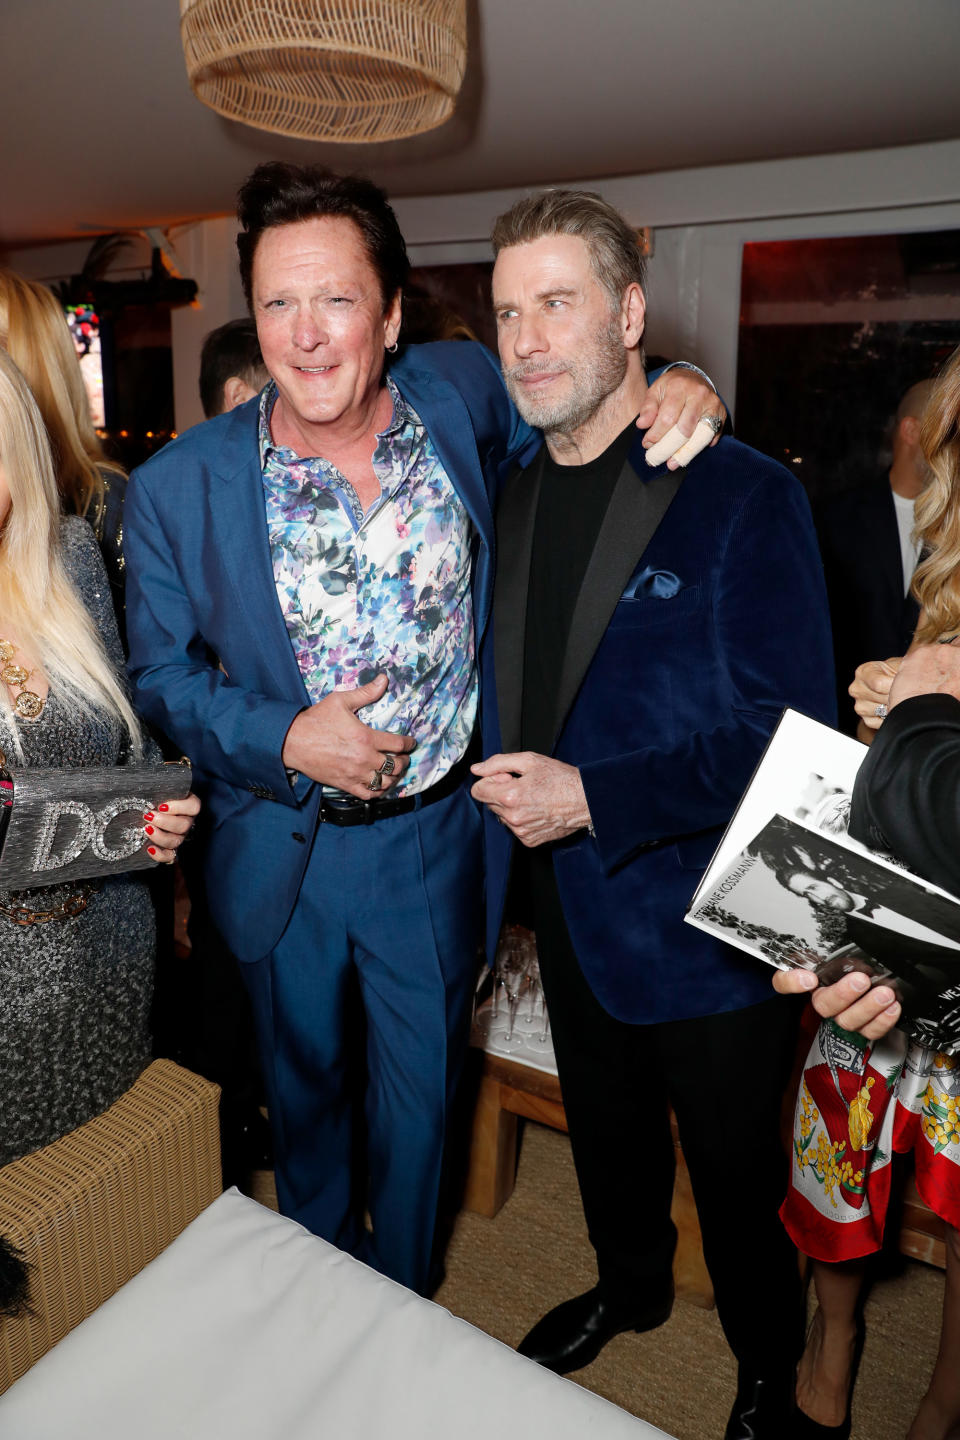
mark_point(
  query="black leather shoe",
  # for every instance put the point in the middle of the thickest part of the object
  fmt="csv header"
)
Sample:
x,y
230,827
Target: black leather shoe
x,y
574,1333
765,1407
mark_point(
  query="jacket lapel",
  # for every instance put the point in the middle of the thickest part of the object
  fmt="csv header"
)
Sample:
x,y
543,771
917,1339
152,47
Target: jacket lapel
x,y
243,550
444,413
637,506
516,516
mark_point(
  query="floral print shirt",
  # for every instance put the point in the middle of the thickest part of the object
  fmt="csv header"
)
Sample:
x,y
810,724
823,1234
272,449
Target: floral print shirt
x,y
386,591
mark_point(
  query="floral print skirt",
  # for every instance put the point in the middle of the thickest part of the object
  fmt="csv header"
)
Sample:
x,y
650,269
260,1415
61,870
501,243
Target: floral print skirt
x,y
858,1104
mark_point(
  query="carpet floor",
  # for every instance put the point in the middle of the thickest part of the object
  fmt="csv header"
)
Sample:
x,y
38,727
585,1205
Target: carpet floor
x,y
504,1273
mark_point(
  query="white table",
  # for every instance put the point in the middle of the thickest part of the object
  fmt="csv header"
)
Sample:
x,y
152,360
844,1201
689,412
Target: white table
x,y
249,1328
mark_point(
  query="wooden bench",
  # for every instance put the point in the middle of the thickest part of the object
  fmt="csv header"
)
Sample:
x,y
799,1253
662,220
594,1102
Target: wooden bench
x,y
508,1091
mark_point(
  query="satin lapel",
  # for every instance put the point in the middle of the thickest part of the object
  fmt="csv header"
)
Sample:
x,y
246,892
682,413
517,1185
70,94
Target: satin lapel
x,y
243,552
516,516
636,508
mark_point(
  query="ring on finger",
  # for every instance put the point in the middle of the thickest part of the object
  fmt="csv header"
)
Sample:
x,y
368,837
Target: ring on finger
x,y
712,421
880,711
376,781
389,765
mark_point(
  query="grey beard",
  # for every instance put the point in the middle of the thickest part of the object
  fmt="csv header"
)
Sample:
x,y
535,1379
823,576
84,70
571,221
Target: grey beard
x,y
594,378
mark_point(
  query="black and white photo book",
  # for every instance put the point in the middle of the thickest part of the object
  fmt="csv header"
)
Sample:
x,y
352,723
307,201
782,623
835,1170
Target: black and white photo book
x,y
789,885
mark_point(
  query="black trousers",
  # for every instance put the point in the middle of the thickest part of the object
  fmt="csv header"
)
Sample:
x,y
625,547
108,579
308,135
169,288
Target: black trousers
x,y
725,1076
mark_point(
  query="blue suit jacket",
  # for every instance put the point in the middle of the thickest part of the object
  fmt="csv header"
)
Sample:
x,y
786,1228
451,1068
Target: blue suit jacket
x,y
680,661
201,590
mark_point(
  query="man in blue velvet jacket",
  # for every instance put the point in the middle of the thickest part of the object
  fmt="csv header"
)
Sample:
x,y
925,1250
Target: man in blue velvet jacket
x,y
646,637
307,578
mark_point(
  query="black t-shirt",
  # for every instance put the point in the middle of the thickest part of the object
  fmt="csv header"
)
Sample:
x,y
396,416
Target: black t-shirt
x,y
573,502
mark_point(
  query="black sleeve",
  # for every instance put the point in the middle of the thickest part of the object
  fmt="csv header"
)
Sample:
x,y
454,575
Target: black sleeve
x,y
907,794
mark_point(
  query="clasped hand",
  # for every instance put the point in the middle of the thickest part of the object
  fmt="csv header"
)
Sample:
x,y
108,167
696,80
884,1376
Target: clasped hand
x,y
330,744
924,670
538,798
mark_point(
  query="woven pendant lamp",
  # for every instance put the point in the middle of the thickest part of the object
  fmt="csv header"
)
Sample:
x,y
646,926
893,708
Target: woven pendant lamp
x,y
353,71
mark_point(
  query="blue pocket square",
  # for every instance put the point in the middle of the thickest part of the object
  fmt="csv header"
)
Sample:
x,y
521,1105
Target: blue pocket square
x,y
659,584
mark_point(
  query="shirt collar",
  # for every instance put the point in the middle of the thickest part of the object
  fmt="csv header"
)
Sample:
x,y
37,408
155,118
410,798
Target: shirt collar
x,y
401,417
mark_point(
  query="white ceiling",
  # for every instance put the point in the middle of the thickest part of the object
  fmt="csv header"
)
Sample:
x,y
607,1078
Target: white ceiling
x,y
99,129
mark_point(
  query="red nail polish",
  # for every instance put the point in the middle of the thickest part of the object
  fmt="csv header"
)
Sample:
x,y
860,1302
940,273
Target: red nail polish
x,y
163,807
150,850
148,829
148,814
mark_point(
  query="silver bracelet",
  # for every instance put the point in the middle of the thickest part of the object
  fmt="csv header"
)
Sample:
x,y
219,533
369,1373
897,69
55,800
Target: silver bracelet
x,y
688,365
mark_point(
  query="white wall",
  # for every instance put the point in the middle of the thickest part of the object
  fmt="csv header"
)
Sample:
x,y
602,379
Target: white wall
x,y
208,254
702,218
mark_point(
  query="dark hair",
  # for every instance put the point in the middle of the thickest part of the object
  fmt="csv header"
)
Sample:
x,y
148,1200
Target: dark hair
x,y
613,245
784,874
280,194
231,349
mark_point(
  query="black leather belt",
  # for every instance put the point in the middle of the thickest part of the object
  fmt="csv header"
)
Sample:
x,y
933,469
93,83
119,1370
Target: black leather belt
x,y
346,810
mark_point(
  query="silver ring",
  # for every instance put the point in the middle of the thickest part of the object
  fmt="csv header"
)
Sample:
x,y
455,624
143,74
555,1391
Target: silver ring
x,y
880,711
389,765
376,781
714,422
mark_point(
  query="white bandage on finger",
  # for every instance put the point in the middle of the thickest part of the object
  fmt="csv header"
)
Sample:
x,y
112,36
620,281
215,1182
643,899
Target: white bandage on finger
x,y
698,441
673,441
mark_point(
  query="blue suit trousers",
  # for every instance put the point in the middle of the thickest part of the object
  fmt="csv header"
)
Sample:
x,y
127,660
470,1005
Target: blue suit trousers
x,y
362,1014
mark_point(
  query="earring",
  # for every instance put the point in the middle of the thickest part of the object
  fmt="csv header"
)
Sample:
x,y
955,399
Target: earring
x,y
392,349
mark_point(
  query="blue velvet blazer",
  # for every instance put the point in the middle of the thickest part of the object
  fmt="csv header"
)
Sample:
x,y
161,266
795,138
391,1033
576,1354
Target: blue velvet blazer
x,y
680,661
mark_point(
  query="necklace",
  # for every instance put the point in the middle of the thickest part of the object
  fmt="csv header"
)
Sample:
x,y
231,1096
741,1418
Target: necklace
x,y
27,704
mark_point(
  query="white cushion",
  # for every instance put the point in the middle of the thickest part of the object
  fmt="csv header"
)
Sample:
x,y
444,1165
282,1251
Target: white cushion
x,y
249,1326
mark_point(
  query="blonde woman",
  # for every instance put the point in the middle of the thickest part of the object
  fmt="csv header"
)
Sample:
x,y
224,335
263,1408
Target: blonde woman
x,y
866,1093
35,334
76,959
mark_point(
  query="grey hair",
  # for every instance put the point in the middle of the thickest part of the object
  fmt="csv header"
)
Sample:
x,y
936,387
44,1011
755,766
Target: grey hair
x,y
612,243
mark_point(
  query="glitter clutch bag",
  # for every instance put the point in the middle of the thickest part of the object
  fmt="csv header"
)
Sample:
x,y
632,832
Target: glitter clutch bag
x,y
76,824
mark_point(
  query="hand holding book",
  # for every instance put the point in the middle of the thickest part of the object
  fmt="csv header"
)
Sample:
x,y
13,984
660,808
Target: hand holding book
x,y
852,1001
873,943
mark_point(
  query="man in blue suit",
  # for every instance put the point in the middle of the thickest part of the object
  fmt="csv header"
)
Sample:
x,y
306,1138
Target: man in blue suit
x,y
646,636
321,553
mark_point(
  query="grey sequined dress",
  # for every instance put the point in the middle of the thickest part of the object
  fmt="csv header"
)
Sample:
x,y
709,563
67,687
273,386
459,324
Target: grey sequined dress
x,y
74,994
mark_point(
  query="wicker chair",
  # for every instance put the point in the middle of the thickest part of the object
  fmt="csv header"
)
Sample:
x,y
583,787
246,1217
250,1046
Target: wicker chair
x,y
93,1208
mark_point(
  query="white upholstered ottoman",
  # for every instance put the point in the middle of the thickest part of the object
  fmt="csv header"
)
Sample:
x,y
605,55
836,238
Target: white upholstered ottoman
x,y
249,1328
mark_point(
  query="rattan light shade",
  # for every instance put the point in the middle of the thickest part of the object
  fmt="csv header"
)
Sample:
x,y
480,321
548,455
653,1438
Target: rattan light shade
x,y
344,70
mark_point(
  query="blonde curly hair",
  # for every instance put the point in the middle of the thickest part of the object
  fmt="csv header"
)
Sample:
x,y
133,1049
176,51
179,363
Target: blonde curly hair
x,y
35,334
936,581
37,599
